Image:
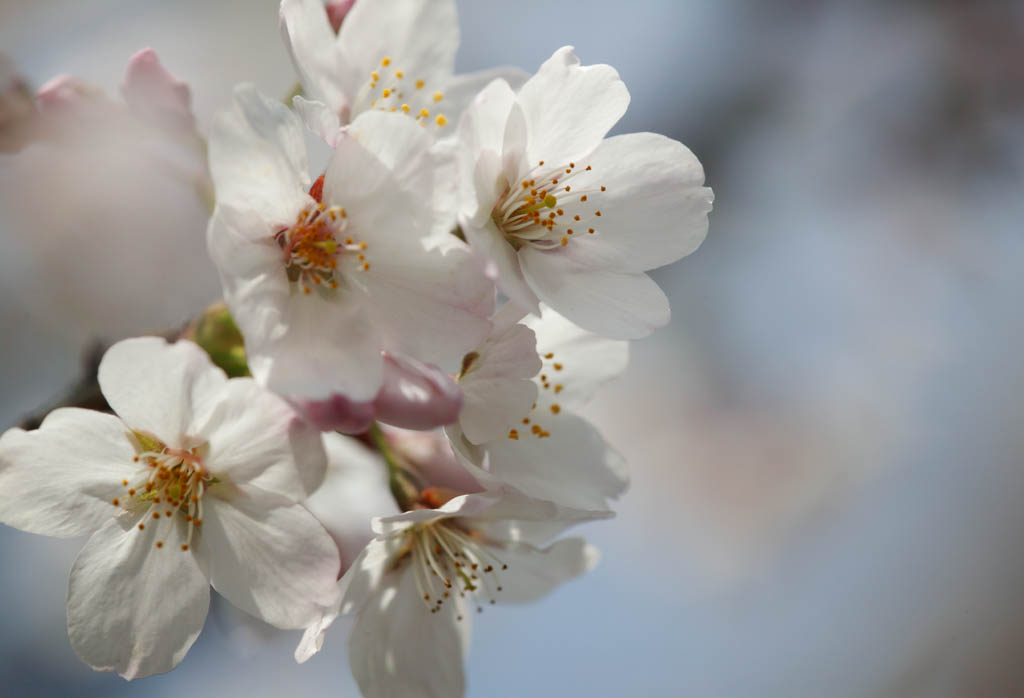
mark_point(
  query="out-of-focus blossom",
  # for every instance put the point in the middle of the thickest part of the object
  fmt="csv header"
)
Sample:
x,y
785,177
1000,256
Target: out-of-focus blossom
x,y
546,450
394,56
354,491
414,585
107,208
321,277
196,481
568,217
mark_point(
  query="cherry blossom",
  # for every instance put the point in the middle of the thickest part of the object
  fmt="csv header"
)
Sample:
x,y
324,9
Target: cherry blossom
x,y
322,276
567,216
195,482
416,583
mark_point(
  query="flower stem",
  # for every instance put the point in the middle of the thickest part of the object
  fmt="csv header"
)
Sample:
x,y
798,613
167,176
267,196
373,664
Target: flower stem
x,y
403,484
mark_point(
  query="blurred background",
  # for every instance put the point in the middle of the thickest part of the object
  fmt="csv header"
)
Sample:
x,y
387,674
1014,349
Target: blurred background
x,y
825,443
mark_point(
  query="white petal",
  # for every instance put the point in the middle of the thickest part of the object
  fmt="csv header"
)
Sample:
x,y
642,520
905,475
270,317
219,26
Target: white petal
x,y
312,45
160,388
134,608
462,90
258,439
400,144
488,242
576,362
319,118
482,129
533,573
418,36
354,491
258,157
61,479
324,346
275,562
573,466
399,648
569,108
433,309
497,390
655,207
612,304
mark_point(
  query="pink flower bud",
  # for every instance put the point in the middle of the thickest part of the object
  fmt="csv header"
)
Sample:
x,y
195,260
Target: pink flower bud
x,y
336,11
148,88
338,413
415,395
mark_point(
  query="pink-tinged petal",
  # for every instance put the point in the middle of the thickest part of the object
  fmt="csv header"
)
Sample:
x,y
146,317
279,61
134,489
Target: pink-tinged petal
x,y
612,304
338,413
399,648
567,462
569,108
336,11
320,119
417,37
257,439
62,478
354,491
498,385
415,395
576,362
135,608
160,388
312,45
534,573
654,207
274,562
432,456
258,157
150,89
64,93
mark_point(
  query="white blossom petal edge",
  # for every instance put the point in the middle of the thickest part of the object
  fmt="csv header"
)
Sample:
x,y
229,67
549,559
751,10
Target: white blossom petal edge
x,y
196,481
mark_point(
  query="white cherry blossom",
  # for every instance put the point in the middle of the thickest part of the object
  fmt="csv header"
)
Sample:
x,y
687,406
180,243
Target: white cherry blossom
x,y
396,56
195,482
322,276
568,217
533,440
415,585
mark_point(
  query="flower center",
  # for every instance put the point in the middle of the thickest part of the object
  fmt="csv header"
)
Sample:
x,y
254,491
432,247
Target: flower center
x,y
313,246
544,210
390,89
170,481
447,559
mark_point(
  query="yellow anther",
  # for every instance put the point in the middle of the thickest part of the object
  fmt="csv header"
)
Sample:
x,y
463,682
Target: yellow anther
x,y
425,113
420,84
375,76
399,74
385,61
438,96
442,120
405,108
386,93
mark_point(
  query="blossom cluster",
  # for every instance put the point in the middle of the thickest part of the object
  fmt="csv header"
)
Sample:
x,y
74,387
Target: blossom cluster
x,y
423,321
